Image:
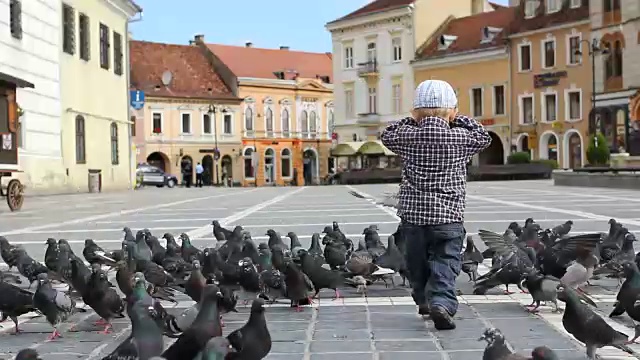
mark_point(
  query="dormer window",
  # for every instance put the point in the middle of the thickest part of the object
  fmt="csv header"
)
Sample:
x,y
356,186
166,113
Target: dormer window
x,y
530,8
553,6
445,41
489,33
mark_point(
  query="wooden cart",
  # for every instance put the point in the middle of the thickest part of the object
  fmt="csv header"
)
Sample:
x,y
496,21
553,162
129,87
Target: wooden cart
x,y
9,114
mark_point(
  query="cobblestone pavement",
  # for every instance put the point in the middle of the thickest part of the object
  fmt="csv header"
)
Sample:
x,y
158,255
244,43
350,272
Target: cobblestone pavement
x,y
382,326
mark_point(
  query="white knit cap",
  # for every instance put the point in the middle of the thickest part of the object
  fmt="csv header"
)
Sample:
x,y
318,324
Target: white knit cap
x,y
435,94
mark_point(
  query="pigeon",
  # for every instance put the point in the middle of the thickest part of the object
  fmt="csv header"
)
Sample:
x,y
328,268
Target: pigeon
x,y
218,348
195,283
628,296
146,334
249,280
295,243
14,302
55,305
142,250
51,255
581,270
315,250
471,258
252,341
102,298
358,282
496,348
335,253
275,240
220,233
543,353
299,286
189,252
94,254
393,259
320,277
28,354
542,289
28,267
388,200
8,252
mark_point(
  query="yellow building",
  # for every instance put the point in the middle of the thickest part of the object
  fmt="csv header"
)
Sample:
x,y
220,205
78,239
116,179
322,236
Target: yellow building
x,y
471,54
551,81
188,113
94,91
287,112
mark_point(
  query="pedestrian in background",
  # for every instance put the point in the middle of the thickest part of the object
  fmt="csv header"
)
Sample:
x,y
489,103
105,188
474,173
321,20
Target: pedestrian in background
x,y
187,173
435,145
199,172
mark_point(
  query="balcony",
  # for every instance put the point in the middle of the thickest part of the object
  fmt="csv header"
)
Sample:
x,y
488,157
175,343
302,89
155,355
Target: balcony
x,y
368,69
369,119
613,83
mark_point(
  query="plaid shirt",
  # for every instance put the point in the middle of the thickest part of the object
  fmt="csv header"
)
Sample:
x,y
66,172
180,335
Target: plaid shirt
x,y
434,173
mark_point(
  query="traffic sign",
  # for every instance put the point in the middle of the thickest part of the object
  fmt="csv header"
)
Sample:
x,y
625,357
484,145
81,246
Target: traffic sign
x,y
137,99
216,154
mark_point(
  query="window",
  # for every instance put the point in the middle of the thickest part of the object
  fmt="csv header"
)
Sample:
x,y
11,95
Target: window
x,y
117,54
476,102
548,54
313,124
68,29
248,120
348,57
81,152
104,46
550,111
499,103
331,122
185,123
15,18
114,144
574,56
249,171
348,104
285,159
526,109
611,5
372,102
84,31
371,52
574,105
530,8
576,4
397,98
525,57
553,6
617,59
285,123
268,119
304,123
396,43
157,123
133,126
206,124
228,124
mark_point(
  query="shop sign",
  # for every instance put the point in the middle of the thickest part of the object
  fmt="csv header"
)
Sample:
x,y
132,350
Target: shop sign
x,y
548,79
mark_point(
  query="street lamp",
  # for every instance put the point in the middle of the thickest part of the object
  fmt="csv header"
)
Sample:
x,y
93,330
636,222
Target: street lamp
x,y
594,49
216,152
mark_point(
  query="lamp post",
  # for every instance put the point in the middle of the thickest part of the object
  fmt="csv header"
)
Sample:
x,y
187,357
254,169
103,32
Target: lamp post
x,y
216,152
594,49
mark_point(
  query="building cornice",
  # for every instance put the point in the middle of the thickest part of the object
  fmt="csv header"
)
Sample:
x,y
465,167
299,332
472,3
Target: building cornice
x,y
190,100
467,57
405,10
551,28
126,7
251,81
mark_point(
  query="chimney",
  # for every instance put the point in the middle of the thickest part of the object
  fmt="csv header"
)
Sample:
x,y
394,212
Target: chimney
x,y
282,47
248,44
198,38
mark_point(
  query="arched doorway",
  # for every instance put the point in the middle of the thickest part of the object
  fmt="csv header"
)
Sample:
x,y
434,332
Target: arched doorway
x,y
549,146
572,144
208,177
159,160
226,169
269,166
494,154
186,169
522,144
310,166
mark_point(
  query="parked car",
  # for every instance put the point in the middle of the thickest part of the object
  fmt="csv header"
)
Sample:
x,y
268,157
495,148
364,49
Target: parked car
x,y
151,175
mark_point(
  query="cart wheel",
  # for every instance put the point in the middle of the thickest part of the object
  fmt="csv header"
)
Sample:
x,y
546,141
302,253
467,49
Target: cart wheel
x,y
15,195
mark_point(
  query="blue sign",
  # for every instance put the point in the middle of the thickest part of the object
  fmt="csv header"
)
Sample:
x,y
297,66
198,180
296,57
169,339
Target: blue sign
x,y
137,99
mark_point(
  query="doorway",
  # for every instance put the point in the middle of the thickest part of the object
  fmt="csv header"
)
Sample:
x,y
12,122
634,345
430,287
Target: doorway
x,y
269,173
226,168
186,169
208,174
310,166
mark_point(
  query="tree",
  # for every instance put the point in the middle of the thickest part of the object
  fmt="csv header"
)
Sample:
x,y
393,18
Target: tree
x,y
598,151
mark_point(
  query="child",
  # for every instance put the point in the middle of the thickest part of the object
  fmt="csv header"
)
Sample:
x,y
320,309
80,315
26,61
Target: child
x,y
435,145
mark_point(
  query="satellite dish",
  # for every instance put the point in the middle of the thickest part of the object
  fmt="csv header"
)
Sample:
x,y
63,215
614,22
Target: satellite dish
x,y
167,76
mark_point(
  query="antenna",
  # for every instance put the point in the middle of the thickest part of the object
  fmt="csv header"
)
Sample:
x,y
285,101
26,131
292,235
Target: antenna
x,y
167,76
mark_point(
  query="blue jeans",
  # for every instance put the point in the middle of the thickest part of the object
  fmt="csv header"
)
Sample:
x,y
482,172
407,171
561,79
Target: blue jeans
x,y
434,259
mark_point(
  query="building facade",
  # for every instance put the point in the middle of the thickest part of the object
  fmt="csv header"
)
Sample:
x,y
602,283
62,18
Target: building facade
x,y
188,113
373,48
287,111
94,72
29,54
471,54
551,80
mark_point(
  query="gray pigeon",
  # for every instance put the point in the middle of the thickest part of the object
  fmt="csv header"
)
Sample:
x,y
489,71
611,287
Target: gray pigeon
x,y
496,348
388,199
579,272
543,288
55,305
217,348
142,250
146,334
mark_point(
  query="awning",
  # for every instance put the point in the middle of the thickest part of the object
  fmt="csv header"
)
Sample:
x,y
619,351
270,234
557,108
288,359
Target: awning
x,y
15,81
375,148
347,148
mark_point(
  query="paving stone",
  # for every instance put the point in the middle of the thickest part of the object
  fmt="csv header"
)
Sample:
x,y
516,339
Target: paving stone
x,y
528,327
285,357
571,354
500,310
386,334
287,325
288,335
344,325
418,324
340,346
342,309
410,355
449,344
288,347
419,345
341,334
409,309
465,329
357,316
465,355
559,341
343,356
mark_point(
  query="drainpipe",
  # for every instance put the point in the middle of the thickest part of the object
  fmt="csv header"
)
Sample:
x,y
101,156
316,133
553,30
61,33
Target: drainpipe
x,y
128,79
509,84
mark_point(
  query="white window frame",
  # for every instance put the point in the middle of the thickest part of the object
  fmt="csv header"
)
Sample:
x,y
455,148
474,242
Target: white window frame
x,y
372,96
543,42
530,9
396,48
250,105
290,163
268,105
347,56
349,103
576,4
372,52
543,105
520,46
161,122
232,115
568,46
472,105
244,157
285,105
558,4
521,98
213,118
567,102
182,114
396,100
494,101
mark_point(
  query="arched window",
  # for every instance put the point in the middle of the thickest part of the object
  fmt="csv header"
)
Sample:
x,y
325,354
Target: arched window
x,y
285,123
304,123
81,150
608,61
617,59
268,118
285,158
331,122
114,144
313,124
249,170
248,120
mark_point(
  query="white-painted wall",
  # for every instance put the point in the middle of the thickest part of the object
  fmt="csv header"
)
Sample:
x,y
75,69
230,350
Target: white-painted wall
x,y
35,58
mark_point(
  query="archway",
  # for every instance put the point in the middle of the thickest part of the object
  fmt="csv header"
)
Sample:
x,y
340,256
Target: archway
x,y
572,149
269,166
226,167
159,160
522,143
494,154
548,146
208,177
310,165
186,169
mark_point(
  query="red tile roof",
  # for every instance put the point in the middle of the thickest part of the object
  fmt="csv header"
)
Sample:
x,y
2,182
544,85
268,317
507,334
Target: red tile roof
x,y
469,33
543,20
374,7
193,76
262,63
